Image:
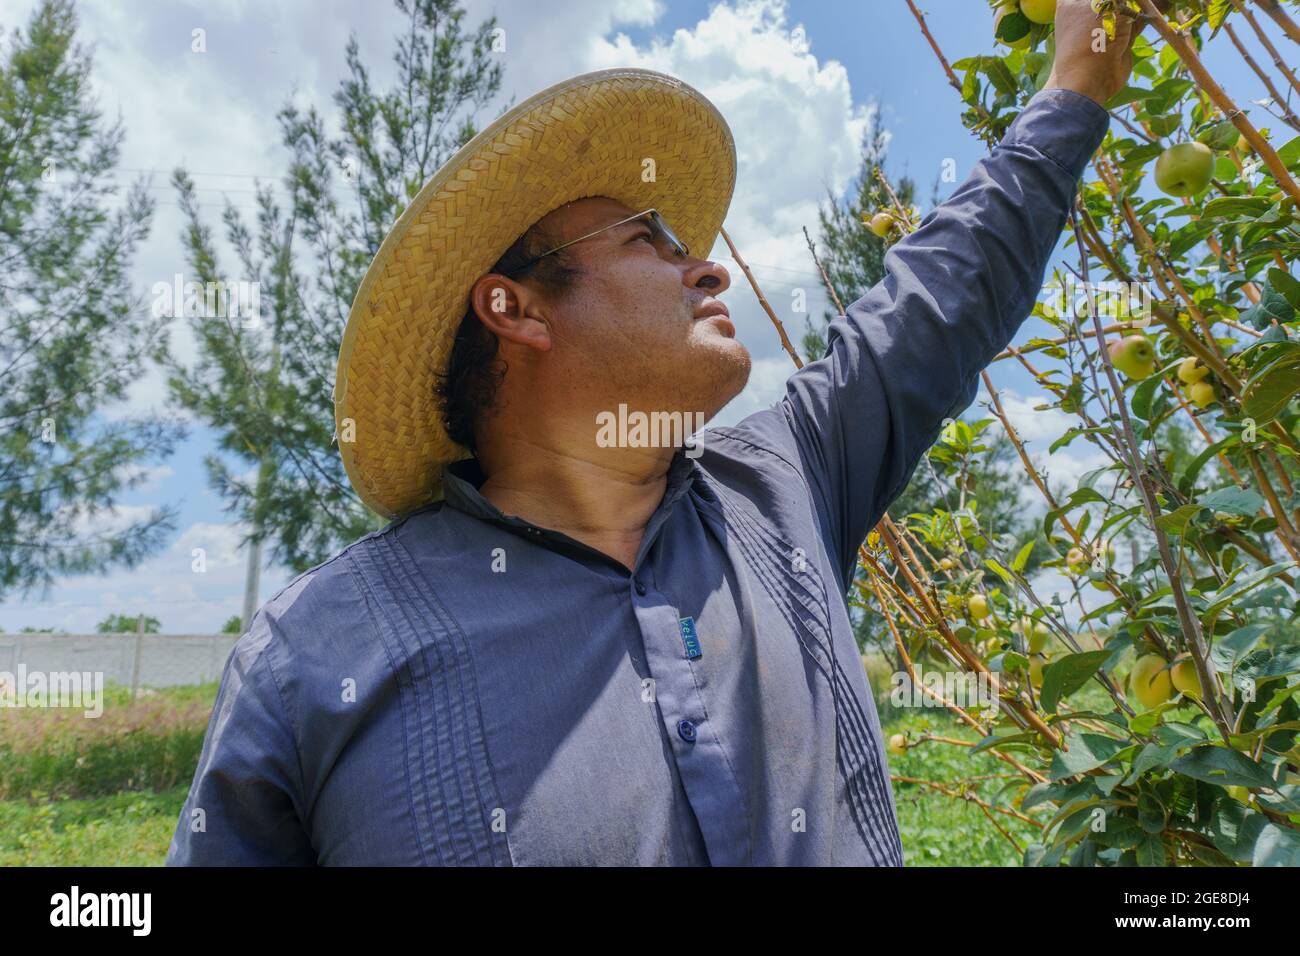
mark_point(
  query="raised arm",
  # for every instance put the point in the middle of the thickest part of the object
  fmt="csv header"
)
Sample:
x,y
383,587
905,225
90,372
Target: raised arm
x,y
908,354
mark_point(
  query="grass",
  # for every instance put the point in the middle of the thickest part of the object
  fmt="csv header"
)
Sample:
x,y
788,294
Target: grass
x,y
132,828
107,791
939,830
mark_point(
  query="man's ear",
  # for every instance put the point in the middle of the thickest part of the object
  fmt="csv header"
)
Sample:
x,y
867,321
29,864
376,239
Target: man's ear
x,y
511,310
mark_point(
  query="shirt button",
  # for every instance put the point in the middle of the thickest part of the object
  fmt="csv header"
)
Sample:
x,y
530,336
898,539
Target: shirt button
x,y
686,730
640,589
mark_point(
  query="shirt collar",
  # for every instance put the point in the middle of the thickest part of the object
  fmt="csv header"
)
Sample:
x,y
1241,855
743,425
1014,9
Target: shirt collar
x,y
461,481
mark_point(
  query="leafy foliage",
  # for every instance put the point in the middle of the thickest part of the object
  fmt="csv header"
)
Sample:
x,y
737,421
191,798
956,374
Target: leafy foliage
x,y
1190,758
266,384
72,333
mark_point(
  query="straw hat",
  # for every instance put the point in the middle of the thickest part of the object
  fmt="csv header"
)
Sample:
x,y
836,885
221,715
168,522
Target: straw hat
x,y
635,136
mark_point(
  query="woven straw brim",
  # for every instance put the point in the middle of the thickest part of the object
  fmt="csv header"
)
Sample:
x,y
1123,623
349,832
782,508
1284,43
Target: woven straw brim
x,y
589,136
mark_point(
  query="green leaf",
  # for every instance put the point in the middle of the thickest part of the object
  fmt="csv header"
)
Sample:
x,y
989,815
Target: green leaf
x,y
1074,433
1233,500
1271,306
993,740
1022,557
1286,285
1234,829
1175,521
1226,597
1152,814
1151,851
1165,95
1277,846
1154,755
1086,752
1232,647
1290,153
1221,135
1243,207
1269,390
1187,480
1227,768
1063,677
1001,572
1145,392
1045,792
1013,26
1130,94
1269,664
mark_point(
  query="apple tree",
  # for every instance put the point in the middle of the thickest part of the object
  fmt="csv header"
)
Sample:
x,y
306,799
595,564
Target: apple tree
x,y
1142,680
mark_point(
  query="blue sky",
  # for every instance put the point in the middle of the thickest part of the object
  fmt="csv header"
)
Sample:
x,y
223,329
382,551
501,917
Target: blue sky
x,y
796,116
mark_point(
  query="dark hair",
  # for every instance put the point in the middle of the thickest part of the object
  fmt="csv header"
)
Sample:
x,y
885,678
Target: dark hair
x,y
467,390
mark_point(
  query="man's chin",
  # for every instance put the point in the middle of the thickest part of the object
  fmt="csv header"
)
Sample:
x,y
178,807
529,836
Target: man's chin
x,y
725,364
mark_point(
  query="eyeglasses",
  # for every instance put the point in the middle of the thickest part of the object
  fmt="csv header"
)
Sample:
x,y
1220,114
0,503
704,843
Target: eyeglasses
x,y
652,218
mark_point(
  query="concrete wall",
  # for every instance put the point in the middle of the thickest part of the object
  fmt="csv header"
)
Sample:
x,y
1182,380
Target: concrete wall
x,y
166,660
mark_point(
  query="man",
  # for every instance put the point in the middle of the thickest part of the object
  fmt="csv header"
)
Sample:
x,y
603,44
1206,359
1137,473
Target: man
x,y
575,644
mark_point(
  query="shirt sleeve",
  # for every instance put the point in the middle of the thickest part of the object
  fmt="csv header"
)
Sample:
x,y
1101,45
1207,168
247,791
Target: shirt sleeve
x,y
243,807
907,355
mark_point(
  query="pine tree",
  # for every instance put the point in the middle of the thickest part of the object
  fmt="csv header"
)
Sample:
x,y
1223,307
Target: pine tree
x,y
266,384
73,332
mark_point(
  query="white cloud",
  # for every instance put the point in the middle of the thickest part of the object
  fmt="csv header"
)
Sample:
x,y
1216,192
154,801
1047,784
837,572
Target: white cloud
x,y
1037,429
797,132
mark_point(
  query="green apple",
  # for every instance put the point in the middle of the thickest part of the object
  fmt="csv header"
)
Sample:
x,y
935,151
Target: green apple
x,y
1038,638
1201,394
1185,169
1134,355
1039,11
1036,670
1150,680
946,564
881,223
1183,676
1076,559
897,745
1191,371
1023,42
978,607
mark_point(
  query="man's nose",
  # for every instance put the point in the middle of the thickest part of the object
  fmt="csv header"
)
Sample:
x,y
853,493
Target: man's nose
x,y
708,275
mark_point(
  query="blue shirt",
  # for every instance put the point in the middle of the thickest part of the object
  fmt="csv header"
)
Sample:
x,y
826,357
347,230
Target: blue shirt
x,y
463,687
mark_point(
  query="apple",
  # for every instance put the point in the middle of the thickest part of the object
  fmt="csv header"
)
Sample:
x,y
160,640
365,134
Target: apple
x,y
1039,11
1150,680
1038,638
1191,371
946,564
1135,356
897,744
1023,42
881,223
978,606
1201,394
1183,675
1036,670
1185,169
1076,559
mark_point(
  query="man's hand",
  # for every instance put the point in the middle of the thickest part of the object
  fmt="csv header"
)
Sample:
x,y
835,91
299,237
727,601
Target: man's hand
x,y
1087,61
